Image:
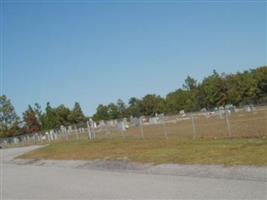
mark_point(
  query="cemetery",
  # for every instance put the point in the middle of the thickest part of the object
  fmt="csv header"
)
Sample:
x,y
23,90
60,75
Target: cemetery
x,y
225,135
223,122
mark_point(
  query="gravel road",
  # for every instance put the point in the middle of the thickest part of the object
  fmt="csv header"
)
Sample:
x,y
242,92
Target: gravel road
x,y
41,180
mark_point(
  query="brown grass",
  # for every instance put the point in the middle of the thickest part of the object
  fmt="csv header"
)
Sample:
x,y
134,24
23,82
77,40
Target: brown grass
x,y
203,151
241,124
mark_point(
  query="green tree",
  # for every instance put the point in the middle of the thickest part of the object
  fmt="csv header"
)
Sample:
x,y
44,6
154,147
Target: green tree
x,y
260,75
190,84
63,115
213,91
181,100
152,104
192,88
248,87
76,115
121,109
134,108
102,113
50,118
9,121
234,91
113,111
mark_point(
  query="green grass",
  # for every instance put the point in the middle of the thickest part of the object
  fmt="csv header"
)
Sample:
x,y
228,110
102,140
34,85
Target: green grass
x,y
227,152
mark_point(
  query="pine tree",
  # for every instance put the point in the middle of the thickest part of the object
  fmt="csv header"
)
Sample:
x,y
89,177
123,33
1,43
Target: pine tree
x,y
76,115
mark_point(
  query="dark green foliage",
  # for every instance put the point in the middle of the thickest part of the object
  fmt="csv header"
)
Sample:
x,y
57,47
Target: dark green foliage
x,y
181,100
260,75
111,111
121,109
152,104
76,115
55,117
49,119
213,91
134,108
102,113
63,115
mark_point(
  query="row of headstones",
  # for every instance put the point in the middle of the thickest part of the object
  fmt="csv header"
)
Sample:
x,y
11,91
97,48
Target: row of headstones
x,y
47,136
134,121
228,109
24,139
66,132
119,124
158,119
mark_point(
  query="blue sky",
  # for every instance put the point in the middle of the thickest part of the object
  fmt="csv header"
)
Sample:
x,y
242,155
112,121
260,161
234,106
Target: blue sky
x,y
98,51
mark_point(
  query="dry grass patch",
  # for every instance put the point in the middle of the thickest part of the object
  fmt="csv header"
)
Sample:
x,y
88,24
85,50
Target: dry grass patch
x,y
206,151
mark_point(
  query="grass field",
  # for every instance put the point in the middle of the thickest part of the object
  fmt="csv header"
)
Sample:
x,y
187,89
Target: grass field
x,y
202,151
243,142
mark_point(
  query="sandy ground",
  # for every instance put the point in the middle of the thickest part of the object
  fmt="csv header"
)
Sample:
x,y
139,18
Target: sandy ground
x,y
39,179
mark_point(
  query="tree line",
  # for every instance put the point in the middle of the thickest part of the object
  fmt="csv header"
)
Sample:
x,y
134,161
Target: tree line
x,y
35,120
247,87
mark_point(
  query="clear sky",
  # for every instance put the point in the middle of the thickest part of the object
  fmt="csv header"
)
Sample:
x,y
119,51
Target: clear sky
x,y
98,51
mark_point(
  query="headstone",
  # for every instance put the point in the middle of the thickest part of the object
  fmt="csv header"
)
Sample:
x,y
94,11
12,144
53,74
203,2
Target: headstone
x,y
110,123
102,124
153,120
44,137
203,110
126,125
134,121
90,129
121,126
182,112
69,130
51,135
230,107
